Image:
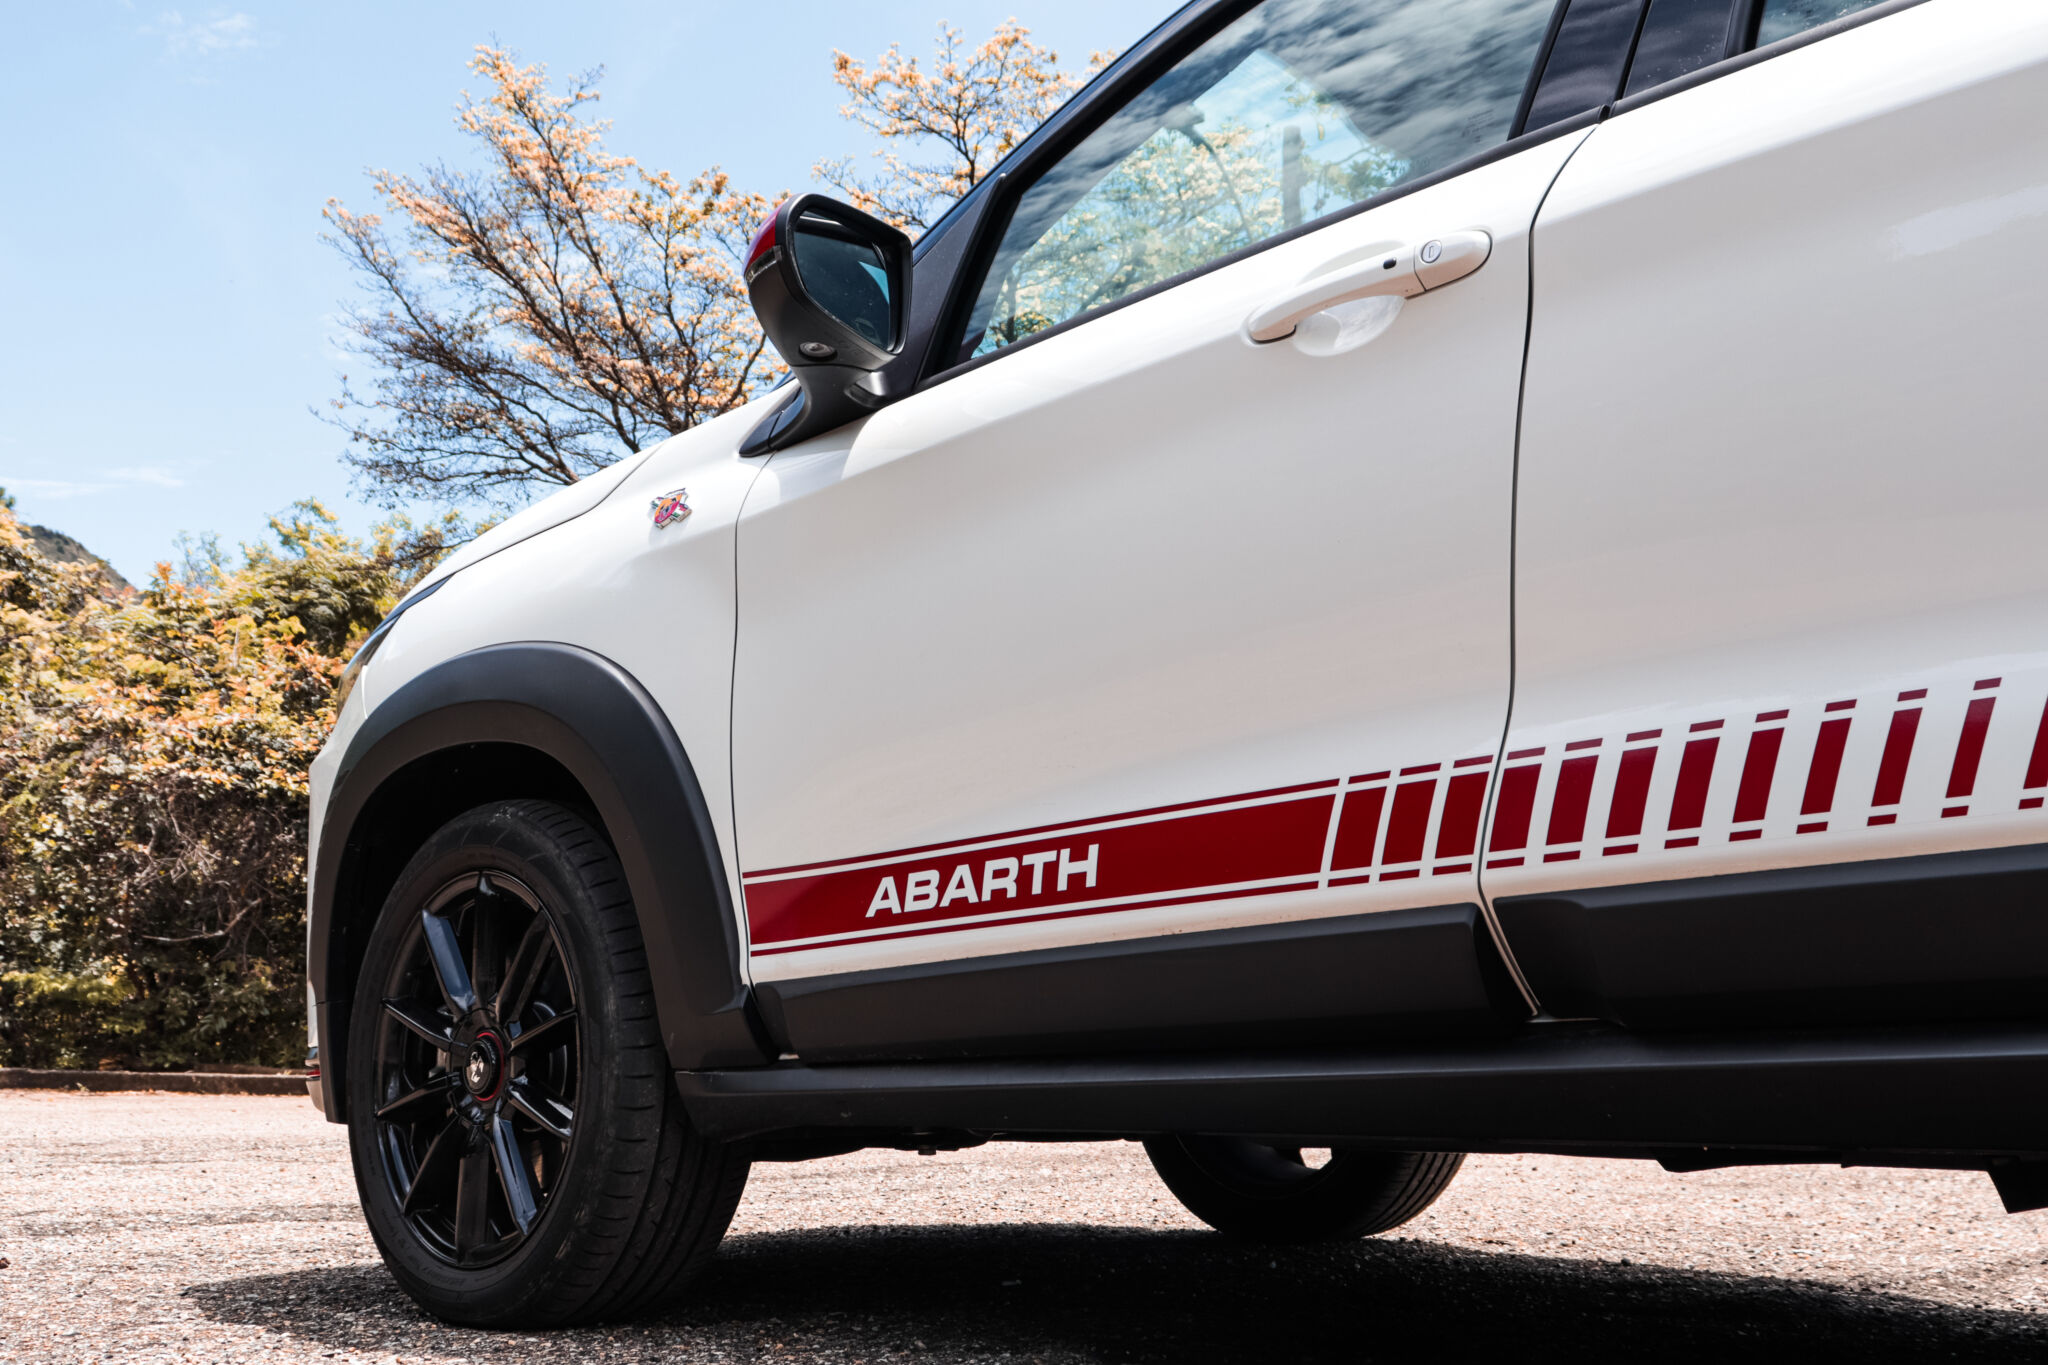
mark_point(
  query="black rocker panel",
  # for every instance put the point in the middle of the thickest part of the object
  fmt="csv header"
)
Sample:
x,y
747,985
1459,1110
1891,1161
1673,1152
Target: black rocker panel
x,y
1304,983
1949,936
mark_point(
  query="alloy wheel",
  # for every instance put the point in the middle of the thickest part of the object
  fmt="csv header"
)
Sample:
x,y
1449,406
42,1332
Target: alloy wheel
x,y
477,1069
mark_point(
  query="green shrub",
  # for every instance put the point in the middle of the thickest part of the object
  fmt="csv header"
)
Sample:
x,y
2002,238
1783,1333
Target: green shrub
x,y
153,800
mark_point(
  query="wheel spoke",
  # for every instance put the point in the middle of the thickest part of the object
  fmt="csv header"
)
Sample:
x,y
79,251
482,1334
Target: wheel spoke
x,y
446,951
473,1201
513,1175
548,1113
437,1165
420,1018
438,1092
483,942
558,1025
523,974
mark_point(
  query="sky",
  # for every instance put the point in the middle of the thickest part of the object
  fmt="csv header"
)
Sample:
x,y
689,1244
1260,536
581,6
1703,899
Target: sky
x,y
171,316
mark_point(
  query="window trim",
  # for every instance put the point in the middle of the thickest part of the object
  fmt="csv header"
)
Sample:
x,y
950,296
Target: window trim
x,y
1193,25
1744,31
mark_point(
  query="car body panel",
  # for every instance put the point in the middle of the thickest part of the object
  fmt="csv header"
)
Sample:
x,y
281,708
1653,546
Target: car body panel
x,y
1781,477
1067,584
1707,656
656,600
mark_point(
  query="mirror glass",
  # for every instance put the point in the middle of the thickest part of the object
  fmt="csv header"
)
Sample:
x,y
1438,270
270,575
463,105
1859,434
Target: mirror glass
x,y
846,274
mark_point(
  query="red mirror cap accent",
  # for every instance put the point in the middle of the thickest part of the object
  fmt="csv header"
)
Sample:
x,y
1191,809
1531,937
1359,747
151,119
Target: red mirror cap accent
x,y
764,238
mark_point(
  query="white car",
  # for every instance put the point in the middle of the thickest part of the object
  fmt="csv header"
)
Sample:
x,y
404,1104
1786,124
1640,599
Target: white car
x,y
1409,577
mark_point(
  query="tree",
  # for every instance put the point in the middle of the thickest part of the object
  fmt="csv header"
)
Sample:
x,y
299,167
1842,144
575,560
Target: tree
x,y
545,317
967,111
532,322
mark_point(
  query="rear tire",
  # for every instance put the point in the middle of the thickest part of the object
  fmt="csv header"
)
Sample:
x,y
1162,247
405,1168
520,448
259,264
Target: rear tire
x,y
519,1147
1257,1193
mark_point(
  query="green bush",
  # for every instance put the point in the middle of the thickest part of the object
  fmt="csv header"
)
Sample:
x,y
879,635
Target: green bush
x,y
153,800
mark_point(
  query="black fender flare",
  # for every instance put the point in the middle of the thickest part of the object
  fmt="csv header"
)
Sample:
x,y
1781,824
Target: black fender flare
x,y
594,720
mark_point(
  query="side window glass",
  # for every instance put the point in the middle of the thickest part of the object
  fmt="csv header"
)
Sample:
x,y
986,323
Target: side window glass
x,y
1784,18
1296,110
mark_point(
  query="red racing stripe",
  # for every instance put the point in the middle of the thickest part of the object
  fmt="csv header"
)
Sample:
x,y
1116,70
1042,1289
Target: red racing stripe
x,y
1408,823
1457,832
1962,776
1898,754
1574,793
1184,854
2037,764
1631,792
1511,813
1695,772
1759,766
1825,769
1358,828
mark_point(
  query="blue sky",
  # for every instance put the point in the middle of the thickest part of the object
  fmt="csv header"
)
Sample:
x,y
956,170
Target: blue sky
x,y
171,312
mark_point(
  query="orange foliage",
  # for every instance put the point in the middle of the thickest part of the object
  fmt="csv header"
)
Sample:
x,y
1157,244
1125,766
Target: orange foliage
x,y
975,107
548,315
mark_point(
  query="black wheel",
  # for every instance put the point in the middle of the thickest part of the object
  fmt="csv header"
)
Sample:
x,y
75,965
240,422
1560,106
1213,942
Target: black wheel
x,y
520,1151
1287,1194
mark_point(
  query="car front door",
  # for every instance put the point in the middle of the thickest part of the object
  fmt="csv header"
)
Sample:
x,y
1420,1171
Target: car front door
x,y
1779,750
1139,679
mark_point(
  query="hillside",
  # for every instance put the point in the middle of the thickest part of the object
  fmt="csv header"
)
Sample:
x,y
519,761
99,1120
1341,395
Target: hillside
x,y
62,548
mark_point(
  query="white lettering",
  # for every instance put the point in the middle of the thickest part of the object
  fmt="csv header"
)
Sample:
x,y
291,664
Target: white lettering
x,y
959,887
921,890
885,899
1069,868
999,873
1036,862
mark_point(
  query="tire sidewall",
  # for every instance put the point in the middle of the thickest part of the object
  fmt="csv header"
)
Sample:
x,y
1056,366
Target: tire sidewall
x,y
496,839
1359,1192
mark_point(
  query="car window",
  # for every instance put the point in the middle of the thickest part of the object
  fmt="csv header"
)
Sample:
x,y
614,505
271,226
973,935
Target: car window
x,y
1298,109
1783,18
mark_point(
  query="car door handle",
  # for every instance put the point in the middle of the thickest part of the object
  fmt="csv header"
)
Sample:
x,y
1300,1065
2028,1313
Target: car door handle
x,y
1405,271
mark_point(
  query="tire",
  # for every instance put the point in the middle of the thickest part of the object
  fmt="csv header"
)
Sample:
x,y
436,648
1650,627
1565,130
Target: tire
x,y
520,1150
1257,1193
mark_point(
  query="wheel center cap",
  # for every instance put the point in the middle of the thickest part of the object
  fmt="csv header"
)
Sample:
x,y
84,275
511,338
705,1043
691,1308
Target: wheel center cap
x,y
481,1075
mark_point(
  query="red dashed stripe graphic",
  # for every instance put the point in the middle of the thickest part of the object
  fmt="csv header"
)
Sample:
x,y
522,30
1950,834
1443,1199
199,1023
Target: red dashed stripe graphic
x,y
1408,825
1753,797
1695,774
1962,775
1358,828
1631,792
1826,768
1464,802
1372,827
1517,803
1898,754
1574,794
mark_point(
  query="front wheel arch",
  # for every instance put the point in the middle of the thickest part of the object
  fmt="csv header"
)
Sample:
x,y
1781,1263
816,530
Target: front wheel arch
x,y
539,720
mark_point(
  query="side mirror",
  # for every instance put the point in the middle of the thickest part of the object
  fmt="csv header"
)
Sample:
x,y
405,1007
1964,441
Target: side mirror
x,y
831,286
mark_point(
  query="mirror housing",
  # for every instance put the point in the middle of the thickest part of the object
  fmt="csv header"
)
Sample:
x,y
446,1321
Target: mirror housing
x,y
831,286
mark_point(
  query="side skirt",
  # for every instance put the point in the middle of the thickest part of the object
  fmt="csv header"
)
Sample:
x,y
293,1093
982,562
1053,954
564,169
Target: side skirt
x,y
1420,973
1877,1095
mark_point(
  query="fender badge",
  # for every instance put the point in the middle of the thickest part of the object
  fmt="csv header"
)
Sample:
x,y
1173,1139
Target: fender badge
x,y
670,507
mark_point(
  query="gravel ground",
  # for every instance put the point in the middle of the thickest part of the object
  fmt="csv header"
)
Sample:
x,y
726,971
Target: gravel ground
x,y
210,1228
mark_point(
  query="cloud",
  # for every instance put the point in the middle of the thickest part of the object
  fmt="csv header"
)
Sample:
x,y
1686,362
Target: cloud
x,y
216,35
112,481
149,474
